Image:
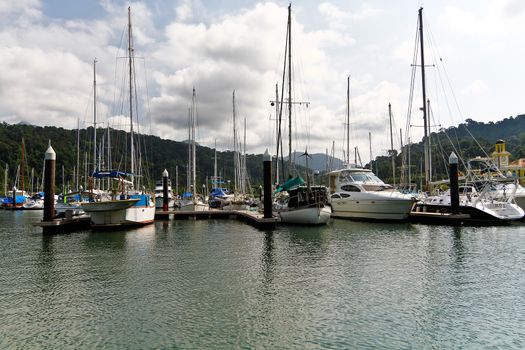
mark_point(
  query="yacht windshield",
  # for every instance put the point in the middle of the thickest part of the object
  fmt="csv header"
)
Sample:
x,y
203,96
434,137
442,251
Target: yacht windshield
x,y
359,177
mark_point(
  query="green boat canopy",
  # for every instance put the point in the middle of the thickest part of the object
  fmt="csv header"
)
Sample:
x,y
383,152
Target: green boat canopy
x,y
290,184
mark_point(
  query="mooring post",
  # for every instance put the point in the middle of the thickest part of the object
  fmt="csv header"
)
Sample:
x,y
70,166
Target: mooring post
x,y
267,169
14,197
454,185
49,184
165,199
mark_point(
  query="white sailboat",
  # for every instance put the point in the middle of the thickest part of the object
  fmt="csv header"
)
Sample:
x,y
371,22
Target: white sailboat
x,y
190,200
474,206
297,203
131,207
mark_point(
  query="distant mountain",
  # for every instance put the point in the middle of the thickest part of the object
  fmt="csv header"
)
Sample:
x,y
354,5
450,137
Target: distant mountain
x,y
317,161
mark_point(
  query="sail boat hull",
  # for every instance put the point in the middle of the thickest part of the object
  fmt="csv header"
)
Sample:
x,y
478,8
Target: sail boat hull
x,y
126,212
306,216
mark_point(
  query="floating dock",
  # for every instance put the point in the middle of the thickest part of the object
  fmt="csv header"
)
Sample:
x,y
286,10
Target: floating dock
x,y
253,218
81,222
64,225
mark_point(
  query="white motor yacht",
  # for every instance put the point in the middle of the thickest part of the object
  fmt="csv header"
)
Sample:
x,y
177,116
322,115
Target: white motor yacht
x,y
357,193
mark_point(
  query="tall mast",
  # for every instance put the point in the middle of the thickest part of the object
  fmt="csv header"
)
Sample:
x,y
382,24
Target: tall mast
x,y
5,179
290,90
348,121
244,161
23,160
277,132
425,117
130,62
193,146
392,146
215,165
94,115
235,157
109,156
188,181
370,143
78,154
32,180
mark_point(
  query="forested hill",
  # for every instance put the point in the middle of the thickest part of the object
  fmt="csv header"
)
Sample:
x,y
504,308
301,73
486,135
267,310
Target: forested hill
x,y
159,154
167,154
469,139
505,129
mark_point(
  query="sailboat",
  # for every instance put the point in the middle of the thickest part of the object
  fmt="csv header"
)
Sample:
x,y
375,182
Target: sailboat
x,y
131,207
297,203
474,207
190,200
357,193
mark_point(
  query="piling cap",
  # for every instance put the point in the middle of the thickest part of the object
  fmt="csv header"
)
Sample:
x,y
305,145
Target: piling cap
x,y
50,154
165,173
267,157
453,159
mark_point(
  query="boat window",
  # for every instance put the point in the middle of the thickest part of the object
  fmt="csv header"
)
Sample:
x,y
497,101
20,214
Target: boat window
x,y
336,196
345,195
350,188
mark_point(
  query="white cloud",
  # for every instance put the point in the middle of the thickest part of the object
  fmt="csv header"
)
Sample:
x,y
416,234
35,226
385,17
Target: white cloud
x,y
47,64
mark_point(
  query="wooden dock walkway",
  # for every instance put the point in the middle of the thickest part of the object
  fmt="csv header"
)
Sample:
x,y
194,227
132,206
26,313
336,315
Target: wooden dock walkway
x,y
253,218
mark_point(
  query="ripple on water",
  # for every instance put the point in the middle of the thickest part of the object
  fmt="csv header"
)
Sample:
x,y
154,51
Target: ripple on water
x,y
223,284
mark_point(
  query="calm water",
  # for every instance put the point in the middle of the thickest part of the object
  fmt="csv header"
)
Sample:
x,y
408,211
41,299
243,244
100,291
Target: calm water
x,y
224,284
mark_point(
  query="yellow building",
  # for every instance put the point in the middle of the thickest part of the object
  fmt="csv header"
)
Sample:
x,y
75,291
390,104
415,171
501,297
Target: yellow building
x,y
501,158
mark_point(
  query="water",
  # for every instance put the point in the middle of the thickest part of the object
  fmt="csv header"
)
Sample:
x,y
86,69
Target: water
x,y
224,284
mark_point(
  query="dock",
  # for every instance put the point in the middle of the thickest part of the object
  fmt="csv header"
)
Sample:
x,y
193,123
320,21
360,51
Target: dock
x,y
64,225
81,222
253,218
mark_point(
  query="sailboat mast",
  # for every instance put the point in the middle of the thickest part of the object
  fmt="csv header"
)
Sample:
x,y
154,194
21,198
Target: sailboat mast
x,y
5,179
130,62
348,120
193,146
244,161
188,179
392,145
290,90
235,157
215,165
426,144
277,132
370,143
23,160
94,115
78,154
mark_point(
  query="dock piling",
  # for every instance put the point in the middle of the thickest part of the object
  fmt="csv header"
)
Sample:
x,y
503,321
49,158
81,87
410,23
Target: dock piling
x,y
267,169
165,199
49,184
454,184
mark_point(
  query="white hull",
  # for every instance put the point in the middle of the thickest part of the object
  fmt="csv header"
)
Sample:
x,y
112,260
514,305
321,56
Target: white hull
x,y
305,216
159,202
33,205
393,209
61,208
119,213
191,206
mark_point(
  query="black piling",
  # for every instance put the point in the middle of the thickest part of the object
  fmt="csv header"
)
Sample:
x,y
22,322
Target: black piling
x,y
267,169
14,198
49,184
454,185
165,199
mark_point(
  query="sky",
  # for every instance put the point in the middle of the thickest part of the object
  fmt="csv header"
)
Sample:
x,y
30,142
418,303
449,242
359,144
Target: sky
x,y
473,50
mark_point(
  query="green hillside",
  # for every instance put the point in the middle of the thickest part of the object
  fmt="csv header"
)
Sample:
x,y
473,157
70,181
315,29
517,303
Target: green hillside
x,y
468,140
157,154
